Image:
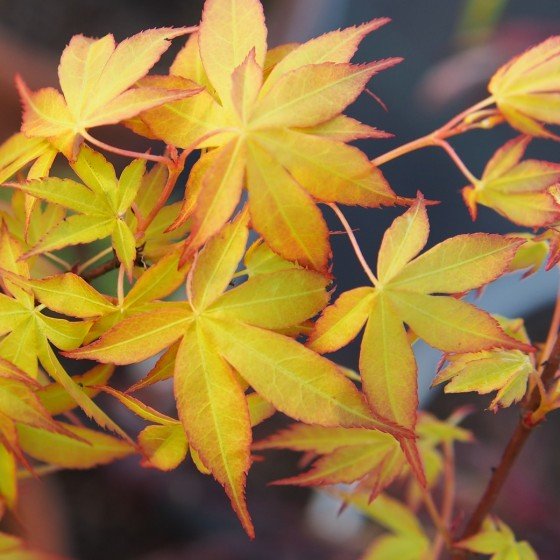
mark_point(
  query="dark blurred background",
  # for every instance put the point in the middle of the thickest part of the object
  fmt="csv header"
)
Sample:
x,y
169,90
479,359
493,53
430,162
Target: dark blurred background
x,y
451,48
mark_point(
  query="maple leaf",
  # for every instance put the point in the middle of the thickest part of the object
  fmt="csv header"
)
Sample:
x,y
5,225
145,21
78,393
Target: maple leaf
x,y
18,151
164,443
518,190
27,333
29,224
346,455
56,399
96,77
100,205
407,539
19,404
221,332
504,371
404,294
71,295
83,448
19,401
283,136
526,89
531,255
497,540
157,240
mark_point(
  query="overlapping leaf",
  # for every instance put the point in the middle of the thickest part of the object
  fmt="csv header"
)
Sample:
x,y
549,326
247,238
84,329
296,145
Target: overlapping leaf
x,y
405,294
346,455
82,448
71,295
28,333
100,205
519,190
504,371
18,151
222,332
283,136
526,89
497,540
96,77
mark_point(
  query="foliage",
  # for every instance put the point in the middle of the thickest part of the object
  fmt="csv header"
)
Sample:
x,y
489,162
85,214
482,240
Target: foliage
x,y
242,330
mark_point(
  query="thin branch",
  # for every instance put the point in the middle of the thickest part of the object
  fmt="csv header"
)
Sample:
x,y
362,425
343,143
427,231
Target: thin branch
x,y
81,267
514,447
457,161
101,270
120,285
436,518
448,497
451,128
355,244
55,258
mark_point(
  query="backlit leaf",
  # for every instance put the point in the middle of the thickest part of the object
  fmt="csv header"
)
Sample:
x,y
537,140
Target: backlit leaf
x,y
526,89
88,450
95,77
519,190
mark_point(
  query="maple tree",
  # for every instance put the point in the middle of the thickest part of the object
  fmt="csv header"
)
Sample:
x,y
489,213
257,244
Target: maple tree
x,y
233,292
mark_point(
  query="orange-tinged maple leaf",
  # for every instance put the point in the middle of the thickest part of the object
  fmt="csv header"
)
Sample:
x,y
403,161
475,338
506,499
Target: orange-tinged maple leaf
x,y
165,447
56,399
28,333
101,205
403,294
71,295
96,77
347,455
526,89
83,448
220,332
284,134
519,190
18,151
504,371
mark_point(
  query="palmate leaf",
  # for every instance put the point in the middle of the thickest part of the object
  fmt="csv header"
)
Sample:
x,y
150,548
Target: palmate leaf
x,y
101,204
283,135
83,448
96,77
347,455
519,190
71,295
18,151
157,241
404,295
504,371
222,332
526,89
28,333
30,222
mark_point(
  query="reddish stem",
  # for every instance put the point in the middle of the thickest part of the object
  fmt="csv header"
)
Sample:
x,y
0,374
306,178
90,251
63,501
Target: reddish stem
x,y
449,129
514,447
354,242
125,153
